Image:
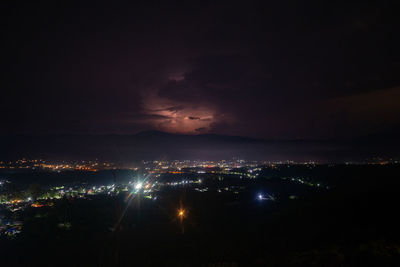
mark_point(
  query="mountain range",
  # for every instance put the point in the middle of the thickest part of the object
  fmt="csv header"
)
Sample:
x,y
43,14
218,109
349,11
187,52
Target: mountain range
x,y
156,145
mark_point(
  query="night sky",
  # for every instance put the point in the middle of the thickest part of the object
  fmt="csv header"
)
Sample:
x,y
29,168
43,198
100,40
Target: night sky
x,y
267,69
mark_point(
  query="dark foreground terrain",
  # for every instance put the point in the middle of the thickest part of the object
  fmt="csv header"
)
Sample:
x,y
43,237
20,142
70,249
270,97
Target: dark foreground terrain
x,y
353,223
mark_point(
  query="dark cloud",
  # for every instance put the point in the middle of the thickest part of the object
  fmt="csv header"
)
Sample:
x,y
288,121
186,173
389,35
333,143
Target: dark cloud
x,y
266,70
193,118
172,109
201,130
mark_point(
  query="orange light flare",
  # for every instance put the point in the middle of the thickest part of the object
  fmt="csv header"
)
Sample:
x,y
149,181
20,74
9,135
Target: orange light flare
x,y
181,214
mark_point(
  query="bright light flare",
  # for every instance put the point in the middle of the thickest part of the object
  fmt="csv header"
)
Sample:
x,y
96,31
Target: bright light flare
x,y
138,186
181,214
261,197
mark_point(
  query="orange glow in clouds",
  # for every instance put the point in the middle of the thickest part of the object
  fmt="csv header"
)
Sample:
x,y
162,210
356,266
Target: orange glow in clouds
x,y
186,120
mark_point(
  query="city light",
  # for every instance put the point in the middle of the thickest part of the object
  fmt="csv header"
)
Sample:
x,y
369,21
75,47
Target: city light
x,y
262,197
181,214
149,185
138,185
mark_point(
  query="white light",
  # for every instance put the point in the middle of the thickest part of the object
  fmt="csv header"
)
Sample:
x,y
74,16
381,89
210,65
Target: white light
x,y
138,186
260,197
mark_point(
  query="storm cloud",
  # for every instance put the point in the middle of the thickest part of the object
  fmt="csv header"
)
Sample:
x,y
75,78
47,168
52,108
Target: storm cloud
x,y
273,71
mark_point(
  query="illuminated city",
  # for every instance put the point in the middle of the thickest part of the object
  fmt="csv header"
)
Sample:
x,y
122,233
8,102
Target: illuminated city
x,y
146,181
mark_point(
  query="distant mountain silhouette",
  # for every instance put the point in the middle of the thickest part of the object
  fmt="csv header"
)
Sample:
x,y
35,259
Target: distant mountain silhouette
x,y
151,145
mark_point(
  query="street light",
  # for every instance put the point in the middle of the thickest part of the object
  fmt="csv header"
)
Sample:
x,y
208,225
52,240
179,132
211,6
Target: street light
x,y
181,213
